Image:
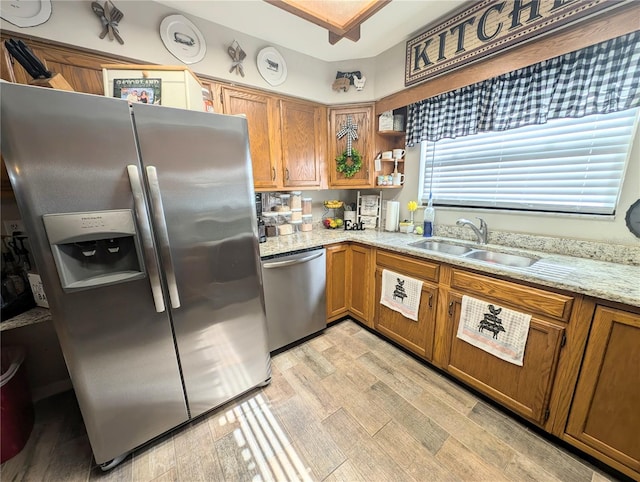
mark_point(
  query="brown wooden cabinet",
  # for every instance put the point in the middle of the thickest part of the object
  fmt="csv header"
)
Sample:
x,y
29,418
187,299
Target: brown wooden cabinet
x,y
362,116
605,414
360,292
286,138
338,281
81,69
417,336
261,111
524,389
349,278
303,143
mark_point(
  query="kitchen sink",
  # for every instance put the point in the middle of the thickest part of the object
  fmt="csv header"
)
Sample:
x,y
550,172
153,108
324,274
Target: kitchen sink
x,y
501,258
441,247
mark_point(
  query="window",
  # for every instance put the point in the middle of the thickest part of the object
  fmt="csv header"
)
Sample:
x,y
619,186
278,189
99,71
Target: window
x,y
566,165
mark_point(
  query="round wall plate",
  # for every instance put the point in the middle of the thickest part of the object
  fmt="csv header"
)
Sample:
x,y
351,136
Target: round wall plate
x,y
633,218
272,66
25,13
183,39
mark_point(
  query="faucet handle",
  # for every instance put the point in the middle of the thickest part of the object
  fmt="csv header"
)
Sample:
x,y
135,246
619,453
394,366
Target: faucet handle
x,y
483,224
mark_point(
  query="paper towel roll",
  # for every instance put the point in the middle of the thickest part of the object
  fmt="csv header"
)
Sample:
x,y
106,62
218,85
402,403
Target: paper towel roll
x,y
392,216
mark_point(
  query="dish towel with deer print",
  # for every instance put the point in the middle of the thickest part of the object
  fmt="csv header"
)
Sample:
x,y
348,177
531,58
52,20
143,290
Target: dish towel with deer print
x,y
401,293
494,329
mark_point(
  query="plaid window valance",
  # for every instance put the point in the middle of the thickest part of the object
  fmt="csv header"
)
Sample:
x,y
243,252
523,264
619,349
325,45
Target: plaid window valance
x,y
599,79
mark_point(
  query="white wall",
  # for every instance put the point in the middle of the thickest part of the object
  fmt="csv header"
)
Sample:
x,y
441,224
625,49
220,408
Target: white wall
x,y
74,23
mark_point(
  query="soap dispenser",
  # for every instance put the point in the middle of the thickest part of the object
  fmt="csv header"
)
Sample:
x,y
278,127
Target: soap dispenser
x,y
429,218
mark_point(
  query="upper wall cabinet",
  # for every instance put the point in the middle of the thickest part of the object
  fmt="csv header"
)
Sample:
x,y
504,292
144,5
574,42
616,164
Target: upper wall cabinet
x,y
264,131
82,70
285,138
362,116
303,141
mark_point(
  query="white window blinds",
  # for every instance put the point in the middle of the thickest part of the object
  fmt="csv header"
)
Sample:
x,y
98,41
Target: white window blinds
x,y
566,165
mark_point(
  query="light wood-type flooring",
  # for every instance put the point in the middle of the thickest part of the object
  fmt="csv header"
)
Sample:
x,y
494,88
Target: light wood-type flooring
x,y
343,406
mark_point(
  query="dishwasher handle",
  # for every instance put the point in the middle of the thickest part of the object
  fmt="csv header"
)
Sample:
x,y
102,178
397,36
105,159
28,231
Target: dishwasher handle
x,y
291,262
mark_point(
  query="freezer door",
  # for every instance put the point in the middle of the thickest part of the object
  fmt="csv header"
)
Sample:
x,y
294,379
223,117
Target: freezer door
x,y
199,175
67,152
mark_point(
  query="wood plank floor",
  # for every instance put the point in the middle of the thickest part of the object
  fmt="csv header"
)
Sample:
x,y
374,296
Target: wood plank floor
x,y
344,406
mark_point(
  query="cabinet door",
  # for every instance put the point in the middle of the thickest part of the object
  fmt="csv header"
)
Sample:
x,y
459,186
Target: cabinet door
x,y
338,281
361,300
417,336
524,389
264,132
605,414
362,117
302,150
82,70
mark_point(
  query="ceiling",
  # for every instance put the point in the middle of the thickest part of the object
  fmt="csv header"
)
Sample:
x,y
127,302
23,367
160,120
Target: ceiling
x,y
394,23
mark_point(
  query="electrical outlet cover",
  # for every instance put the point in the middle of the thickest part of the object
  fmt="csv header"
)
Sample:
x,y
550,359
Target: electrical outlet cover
x,y
11,227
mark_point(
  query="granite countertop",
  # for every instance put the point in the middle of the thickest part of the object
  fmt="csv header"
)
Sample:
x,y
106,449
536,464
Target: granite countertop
x,y
31,317
599,279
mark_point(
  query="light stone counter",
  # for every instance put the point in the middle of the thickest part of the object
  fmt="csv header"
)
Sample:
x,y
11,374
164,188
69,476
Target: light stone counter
x,y
599,279
31,317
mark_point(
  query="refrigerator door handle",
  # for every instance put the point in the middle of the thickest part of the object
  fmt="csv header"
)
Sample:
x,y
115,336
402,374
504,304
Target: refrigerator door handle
x,y
145,234
163,235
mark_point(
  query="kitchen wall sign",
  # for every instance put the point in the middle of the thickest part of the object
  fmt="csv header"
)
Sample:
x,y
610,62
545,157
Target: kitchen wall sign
x,y
486,27
183,39
272,66
23,13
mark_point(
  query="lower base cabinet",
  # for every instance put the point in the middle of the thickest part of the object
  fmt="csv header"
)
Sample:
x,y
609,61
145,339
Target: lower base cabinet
x,y
349,282
338,279
605,414
416,335
360,302
524,389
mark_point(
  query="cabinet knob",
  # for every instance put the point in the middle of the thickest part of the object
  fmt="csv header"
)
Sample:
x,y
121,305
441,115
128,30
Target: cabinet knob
x,y
430,300
286,172
273,176
451,308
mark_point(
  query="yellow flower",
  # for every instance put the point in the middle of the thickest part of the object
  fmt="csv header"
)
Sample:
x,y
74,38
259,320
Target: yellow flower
x,y
412,205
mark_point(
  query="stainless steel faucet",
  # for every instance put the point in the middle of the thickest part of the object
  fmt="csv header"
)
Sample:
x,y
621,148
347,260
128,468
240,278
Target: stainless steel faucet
x,y
482,233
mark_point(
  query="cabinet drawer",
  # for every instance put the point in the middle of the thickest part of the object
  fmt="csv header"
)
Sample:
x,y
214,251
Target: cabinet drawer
x,y
523,298
406,265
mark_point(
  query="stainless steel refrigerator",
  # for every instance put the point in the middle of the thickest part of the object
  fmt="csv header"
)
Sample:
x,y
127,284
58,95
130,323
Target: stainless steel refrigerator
x,y
144,232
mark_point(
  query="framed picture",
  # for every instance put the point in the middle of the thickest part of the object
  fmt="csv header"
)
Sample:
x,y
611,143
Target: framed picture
x,y
146,91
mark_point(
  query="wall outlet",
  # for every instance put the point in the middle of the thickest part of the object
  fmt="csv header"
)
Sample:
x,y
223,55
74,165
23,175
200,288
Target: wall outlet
x,y
11,227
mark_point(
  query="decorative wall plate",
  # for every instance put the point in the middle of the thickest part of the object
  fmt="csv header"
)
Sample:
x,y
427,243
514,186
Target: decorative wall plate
x,y
272,66
183,39
25,13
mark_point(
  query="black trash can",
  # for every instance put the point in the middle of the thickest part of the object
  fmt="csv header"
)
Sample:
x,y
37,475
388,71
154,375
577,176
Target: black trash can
x,y
16,407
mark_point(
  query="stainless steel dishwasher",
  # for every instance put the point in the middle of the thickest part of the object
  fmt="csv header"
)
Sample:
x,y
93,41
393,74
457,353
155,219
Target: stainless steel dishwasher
x,y
294,295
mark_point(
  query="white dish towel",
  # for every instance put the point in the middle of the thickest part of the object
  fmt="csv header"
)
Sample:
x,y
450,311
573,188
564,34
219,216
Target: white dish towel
x,y
494,329
401,293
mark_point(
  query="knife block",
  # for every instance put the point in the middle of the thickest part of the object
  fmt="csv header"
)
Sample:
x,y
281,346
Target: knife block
x,y
57,81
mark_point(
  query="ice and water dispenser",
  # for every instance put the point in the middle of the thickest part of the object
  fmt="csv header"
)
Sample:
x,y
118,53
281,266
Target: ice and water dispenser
x,y
93,249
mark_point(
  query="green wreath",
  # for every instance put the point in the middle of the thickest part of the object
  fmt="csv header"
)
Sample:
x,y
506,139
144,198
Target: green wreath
x,y
349,165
